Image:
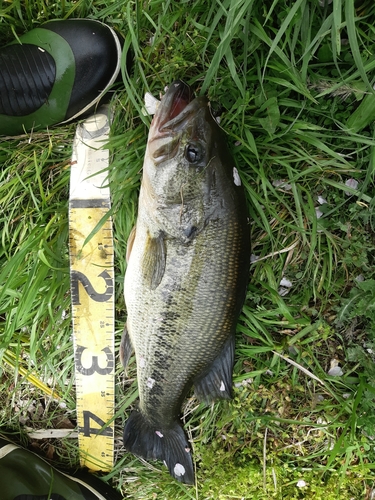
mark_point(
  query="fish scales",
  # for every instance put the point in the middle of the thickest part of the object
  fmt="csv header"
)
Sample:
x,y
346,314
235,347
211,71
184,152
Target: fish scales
x,y
186,276
194,297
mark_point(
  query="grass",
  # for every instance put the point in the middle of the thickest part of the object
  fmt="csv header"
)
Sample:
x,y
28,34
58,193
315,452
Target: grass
x,y
294,80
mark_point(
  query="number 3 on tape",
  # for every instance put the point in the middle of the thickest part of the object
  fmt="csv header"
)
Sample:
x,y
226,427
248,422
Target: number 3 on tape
x,y
92,291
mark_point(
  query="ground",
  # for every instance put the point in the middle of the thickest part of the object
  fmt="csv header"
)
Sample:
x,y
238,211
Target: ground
x,y
293,81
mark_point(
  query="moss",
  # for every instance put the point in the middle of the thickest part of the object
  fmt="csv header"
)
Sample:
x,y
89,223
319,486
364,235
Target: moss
x,y
223,478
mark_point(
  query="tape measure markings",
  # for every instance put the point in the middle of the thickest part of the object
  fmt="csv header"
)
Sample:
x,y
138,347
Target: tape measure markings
x,y
92,291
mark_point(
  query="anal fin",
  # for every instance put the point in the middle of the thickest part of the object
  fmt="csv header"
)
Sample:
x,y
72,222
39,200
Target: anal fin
x,y
126,348
216,381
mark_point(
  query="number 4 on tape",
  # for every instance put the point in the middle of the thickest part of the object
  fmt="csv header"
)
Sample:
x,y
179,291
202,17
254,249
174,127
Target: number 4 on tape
x,y
92,290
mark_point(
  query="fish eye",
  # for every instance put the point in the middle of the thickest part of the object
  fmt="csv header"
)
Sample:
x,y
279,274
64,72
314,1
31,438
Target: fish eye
x,y
193,152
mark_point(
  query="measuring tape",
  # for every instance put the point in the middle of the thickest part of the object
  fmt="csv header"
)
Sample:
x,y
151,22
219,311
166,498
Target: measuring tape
x,y
92,291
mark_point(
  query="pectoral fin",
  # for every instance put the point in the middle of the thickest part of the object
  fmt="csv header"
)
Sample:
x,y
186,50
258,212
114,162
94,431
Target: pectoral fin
x,y
153,265
216,382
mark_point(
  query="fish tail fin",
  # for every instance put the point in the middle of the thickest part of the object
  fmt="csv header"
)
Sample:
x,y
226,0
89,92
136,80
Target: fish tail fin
x,y
167,444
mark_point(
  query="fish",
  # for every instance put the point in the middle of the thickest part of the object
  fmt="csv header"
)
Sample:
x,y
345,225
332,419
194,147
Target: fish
x,y
188,260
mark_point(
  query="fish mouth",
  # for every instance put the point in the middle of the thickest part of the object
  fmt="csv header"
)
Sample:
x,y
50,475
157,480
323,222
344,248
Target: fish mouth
x,y
177,107
177,104
175,100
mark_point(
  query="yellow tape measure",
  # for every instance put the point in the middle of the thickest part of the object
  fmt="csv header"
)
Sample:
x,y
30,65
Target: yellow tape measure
x,y
92,291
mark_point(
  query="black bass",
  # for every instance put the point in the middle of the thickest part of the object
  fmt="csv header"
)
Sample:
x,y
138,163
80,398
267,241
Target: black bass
x,y
186,279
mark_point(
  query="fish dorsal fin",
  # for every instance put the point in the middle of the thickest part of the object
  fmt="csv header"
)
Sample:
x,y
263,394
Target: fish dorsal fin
x,y
153,265
216,382
130,242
